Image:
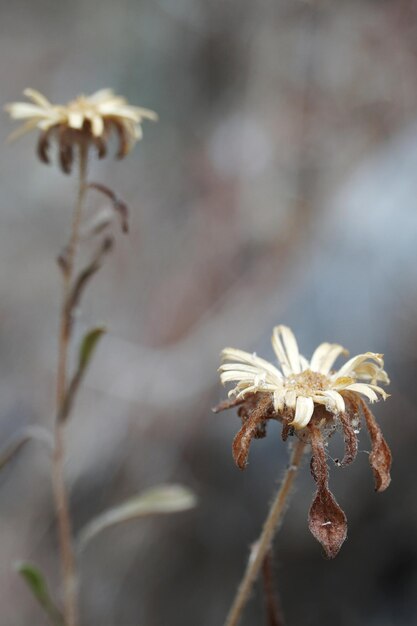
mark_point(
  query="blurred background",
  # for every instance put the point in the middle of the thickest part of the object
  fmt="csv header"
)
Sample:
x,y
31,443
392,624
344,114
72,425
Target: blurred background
x,y
280,186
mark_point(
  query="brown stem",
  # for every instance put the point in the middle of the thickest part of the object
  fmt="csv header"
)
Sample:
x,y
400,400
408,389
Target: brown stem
x,y
59,488
262,546
272,604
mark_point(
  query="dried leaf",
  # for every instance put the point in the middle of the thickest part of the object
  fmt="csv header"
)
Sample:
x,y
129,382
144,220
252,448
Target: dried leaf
x,y
21,438
326,520
85,275
351,440
380,458
36,583
119,206
87,349
158,500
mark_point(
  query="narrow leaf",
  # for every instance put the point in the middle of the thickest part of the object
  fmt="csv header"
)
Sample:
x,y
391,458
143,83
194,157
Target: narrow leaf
x,y
87,348
155,501
119,206
37,584
20,439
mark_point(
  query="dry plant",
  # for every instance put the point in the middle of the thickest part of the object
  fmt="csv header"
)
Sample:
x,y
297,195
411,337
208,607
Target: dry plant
x,y
312,402
79,129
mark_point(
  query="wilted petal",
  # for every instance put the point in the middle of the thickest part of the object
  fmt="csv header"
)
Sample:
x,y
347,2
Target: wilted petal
x,y
351,365
303,411
37,97
370,391
324,356
286,349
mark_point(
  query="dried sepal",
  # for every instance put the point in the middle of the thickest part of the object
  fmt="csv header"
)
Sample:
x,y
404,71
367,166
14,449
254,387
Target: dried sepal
x,y
254,416
380,457
350,438
326,520
123,138
43,146
66,151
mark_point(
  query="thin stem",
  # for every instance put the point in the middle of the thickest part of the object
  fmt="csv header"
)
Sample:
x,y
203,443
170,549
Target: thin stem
x,y
262,546
272,604
59,488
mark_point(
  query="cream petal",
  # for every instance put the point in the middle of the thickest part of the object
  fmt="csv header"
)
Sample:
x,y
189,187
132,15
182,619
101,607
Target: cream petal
x,y
22,130
286,349
101,95
336,400
324,356
233,354
279,397
37,97
21,110
305,365
290,398
370,391
75,119
355,361
97,125
303,412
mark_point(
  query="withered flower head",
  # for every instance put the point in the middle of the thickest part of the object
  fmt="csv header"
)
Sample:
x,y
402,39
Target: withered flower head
x,y
311,401
85,121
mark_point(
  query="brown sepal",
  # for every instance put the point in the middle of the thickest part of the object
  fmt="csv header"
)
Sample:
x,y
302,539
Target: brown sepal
x,y
43,146
123,136
326,520
351,440
253,426
380,457
66,152
227,404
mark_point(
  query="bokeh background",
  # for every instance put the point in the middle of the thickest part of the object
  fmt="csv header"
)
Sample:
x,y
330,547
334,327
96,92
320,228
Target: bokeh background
x,y
280,186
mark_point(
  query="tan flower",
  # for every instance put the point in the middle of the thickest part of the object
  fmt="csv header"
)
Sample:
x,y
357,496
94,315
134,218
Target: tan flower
x,y
85,121
312,401
302,384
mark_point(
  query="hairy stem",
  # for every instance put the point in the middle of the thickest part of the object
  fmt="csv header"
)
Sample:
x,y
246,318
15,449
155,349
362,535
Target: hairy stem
x,y
262,546
59,488
272,604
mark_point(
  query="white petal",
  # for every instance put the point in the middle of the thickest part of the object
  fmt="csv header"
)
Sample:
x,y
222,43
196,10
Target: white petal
x,y
102,95
351,365
75,119
305,365
336,400
97,125
21,110
37,97
303,412
232,354
279,396
290,399
324,356
370,391
286,349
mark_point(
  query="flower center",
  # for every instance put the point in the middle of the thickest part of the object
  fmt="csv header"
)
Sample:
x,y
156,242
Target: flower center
x,y
307,383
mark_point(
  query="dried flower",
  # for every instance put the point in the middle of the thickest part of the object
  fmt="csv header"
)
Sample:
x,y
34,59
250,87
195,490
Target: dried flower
x,y
311,401
85,121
